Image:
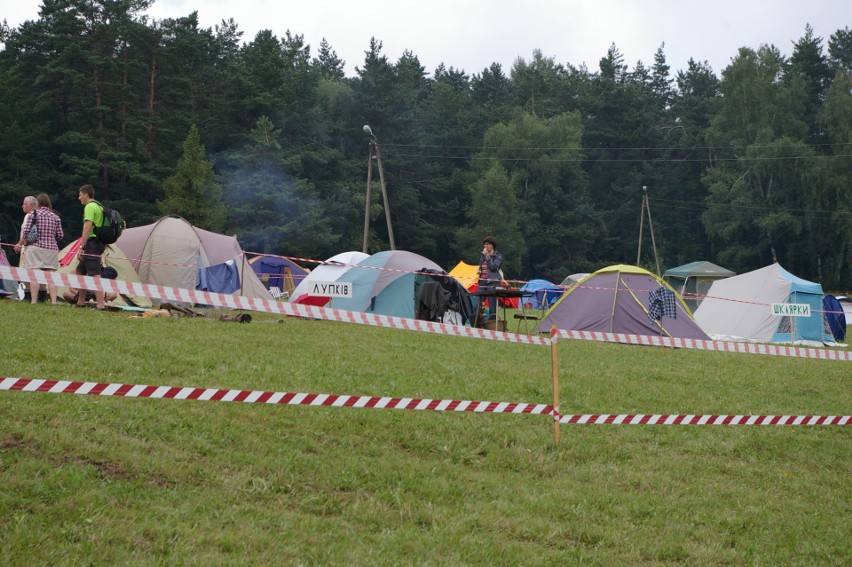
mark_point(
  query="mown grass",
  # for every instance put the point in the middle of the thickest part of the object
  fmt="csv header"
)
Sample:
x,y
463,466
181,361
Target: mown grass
x,y
101,481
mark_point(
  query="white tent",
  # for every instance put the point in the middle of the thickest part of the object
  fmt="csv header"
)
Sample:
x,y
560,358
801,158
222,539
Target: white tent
x,y
741,307
327,272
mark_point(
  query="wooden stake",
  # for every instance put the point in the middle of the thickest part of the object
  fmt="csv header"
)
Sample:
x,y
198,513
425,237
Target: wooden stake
x,y
554,360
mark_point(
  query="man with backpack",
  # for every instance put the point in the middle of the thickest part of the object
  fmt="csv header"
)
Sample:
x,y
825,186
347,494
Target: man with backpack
x,y
91,248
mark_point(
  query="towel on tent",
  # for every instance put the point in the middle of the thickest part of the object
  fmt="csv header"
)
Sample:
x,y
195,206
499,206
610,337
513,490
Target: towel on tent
x,y
221,278
662,303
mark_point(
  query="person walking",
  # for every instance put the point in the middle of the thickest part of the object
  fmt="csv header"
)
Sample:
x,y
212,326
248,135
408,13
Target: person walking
x,y
43,253
91,249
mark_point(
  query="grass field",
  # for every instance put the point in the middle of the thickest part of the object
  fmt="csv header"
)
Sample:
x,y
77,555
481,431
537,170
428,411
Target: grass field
x,y
102,481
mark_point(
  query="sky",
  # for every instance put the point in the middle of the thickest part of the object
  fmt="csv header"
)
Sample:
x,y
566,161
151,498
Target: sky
x,y
470,35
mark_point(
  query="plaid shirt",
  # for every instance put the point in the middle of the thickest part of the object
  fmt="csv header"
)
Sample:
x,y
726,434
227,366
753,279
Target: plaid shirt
x,y
661,303
49,228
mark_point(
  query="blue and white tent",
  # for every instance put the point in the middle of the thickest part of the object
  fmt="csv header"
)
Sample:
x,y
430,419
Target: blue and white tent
x,y
543,294
386,283
741,307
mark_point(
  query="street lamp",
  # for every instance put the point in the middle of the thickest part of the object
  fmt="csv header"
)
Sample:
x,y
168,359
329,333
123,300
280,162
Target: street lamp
x,y
374,152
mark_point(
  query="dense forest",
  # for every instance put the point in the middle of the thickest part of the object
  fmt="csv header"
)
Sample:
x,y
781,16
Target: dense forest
x,y
264,138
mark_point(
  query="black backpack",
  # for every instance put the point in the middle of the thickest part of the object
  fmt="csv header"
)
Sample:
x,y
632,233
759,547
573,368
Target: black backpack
x,y
112,228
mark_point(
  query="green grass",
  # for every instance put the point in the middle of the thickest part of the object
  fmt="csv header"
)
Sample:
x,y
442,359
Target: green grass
x,y
102,481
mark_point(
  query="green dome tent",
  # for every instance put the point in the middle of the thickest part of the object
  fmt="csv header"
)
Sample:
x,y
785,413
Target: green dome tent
x,y
692,281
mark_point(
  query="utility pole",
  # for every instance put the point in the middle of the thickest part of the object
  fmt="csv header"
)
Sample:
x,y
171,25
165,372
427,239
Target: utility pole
x,y
646,207
374,152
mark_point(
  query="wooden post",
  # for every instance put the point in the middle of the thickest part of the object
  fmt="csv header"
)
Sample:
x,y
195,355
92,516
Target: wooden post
x,y
554,361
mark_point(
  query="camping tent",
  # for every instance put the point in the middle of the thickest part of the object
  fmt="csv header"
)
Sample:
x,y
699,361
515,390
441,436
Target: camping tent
x,y
543,294
329,271
617,299
114,257
834,316
172,252
574,279
742,307
7,287
692,281
466,274
386,283
278,272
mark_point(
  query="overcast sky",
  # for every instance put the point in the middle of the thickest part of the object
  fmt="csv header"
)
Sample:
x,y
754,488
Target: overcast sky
x,y
472,34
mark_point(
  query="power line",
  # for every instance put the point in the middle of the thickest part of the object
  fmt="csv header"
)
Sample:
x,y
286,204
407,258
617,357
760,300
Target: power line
x,y
620,160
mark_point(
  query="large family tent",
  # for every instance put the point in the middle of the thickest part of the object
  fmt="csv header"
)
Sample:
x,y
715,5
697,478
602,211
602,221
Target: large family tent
x,y
172,252
386,283
741,307
278,272
692,281
113,257
617,299
326,272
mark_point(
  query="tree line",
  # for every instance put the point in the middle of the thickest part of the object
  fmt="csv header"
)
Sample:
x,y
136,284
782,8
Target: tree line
x,y
264,138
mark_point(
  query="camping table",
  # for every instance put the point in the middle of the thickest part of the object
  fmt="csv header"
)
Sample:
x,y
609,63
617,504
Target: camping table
x,y
500,293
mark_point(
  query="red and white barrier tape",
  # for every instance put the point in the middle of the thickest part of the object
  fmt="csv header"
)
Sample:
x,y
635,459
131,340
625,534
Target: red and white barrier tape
x,y
262,305
639,419
423,404
328,314
261,397
697,344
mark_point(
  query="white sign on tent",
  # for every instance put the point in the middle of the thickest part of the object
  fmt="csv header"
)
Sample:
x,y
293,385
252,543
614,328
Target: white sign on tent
x,y
331,289
791,309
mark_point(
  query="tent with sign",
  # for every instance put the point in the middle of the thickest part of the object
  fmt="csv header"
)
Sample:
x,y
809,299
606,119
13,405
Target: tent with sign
x,y
692,281
386,283
328,271
766,305
619,299
172,252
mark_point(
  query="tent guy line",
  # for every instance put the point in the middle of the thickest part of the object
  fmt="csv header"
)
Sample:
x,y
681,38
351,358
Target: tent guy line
x,y
308,311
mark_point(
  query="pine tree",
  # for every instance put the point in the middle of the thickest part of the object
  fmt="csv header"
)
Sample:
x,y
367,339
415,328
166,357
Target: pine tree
x,y
193,191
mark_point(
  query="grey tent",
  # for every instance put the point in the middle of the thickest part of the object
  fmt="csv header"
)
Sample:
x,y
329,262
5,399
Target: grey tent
x,y
692,281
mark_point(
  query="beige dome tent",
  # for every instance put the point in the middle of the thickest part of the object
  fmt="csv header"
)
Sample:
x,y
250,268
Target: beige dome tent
x,y
172,252
114,257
